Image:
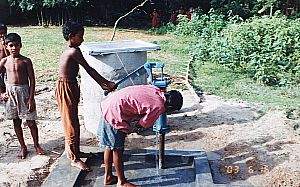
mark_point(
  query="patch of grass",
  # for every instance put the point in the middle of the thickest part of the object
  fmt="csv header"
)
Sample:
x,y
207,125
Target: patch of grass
x,y
219,80
175,54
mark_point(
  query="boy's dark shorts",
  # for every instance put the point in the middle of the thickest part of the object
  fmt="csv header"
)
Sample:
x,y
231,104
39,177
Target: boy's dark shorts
x,y
110,137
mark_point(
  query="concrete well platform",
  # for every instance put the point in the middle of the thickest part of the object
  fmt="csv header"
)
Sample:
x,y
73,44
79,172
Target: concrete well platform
x,y
183,168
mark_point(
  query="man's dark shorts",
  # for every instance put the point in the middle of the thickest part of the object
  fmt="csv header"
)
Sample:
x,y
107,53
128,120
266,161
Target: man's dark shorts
x,y
110,137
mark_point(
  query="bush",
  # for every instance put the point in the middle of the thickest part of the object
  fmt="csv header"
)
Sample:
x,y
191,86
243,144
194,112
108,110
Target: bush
x,y
165,29
201,24
267,49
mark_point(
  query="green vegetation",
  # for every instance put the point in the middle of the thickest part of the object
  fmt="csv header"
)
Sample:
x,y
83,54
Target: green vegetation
x,y
255,60
266,49
220,80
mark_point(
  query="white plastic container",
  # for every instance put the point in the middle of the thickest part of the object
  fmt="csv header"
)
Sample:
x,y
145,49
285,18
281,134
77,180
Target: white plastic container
x,y
113,60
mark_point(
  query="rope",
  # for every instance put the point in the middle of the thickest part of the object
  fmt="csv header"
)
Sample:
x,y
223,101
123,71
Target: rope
x,y
121,62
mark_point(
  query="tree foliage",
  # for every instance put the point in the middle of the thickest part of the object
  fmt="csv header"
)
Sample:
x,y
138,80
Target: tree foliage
x,y
106,12
249,8
49,10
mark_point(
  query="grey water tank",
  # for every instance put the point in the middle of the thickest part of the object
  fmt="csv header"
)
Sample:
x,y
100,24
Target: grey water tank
x,y
113,60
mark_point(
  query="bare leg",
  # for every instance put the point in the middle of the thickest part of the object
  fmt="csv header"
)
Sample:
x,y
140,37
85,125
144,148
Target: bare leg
x,y
19,132
109,178
118,162
35,136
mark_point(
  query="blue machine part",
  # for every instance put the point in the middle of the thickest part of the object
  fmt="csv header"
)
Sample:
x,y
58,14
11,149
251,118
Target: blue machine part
x,y
161,82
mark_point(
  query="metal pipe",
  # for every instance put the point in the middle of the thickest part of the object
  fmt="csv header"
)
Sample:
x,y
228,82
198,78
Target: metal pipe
x,y
161,148
125,78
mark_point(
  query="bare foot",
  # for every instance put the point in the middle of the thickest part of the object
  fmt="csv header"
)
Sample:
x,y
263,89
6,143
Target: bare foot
x,y
110,180
39,150
22,153
81,165
126,184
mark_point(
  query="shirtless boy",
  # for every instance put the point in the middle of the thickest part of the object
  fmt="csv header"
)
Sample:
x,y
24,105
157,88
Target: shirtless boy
x,y
67,90
20,89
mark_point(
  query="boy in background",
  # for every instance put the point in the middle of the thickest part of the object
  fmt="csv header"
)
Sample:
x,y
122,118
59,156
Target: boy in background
x,y
67,90
141,104
3,54
20,90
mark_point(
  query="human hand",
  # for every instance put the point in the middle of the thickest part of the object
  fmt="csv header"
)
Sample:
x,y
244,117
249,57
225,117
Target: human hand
x,y
3,97
31,105
135,127
109,86
2,40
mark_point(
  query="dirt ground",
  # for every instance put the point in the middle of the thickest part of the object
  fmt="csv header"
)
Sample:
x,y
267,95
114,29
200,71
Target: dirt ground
x,y
245,146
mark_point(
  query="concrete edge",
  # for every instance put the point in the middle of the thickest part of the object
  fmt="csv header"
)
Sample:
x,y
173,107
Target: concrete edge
x,y
203,172
63,174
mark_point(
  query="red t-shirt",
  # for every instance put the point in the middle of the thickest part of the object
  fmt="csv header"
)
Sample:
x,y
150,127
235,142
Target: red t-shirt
x,y
142,102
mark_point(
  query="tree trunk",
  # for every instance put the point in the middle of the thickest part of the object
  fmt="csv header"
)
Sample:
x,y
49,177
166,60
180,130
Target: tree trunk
x,y
38,18
42,16
271,11
50,19
62,17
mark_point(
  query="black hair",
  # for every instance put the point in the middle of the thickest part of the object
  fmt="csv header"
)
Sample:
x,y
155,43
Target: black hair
x,y
174,100
72,28
13,37
3,27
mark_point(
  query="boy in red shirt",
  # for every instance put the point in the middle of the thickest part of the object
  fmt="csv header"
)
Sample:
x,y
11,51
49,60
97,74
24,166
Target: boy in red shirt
x,y
141,104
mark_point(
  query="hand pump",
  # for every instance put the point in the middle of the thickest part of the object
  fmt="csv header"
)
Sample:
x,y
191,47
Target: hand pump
x,y
161,127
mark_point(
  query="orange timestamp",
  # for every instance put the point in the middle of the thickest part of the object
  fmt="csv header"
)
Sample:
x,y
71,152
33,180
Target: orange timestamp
x,y
255,169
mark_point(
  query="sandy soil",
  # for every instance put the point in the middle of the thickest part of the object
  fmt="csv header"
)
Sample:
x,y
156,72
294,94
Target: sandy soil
x,y
245,146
